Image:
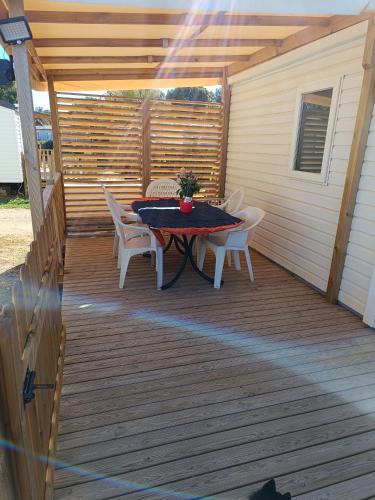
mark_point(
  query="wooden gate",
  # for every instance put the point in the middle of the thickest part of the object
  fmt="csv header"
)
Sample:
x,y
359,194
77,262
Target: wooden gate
x,y
31,343
125,143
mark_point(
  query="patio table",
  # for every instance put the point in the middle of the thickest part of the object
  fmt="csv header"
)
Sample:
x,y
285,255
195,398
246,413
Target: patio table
x,y
163,214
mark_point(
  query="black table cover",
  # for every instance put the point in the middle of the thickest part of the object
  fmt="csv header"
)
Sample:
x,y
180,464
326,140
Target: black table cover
x,y
204,218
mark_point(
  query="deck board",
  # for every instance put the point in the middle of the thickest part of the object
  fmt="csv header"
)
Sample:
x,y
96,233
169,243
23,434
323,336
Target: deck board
x,y
194,392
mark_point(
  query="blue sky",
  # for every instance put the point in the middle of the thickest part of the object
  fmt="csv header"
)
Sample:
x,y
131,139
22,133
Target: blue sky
x,y
41,99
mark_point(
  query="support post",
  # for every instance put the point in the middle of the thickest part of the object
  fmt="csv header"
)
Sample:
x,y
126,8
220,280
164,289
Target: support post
x,y
146,146
353,174
7,491
225,99
369,315
26,111
55,124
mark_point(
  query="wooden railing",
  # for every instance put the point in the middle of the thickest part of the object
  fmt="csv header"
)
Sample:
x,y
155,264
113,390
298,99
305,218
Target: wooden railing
x,y
31,343
46,164
126,143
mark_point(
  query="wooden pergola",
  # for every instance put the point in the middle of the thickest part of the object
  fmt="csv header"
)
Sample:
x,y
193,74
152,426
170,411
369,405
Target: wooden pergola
x,y
79,45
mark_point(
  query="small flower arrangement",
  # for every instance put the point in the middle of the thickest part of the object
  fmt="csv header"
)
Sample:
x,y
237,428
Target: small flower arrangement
x,y
188,184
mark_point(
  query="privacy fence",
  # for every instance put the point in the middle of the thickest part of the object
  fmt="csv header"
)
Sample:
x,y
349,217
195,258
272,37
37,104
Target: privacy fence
x,y
31,352
126,143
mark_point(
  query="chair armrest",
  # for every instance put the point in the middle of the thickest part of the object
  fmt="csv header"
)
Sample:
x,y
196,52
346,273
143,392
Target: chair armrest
x,y
222,205
140,230
130,215
128,208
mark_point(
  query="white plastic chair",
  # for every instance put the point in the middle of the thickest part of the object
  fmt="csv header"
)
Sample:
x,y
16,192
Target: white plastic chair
x,y
234,240
136,240
118,212
234,202
163,188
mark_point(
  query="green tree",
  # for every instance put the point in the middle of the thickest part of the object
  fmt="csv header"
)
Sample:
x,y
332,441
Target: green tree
x,y
44,118
8,93
191,94
40,109
218,93
138,93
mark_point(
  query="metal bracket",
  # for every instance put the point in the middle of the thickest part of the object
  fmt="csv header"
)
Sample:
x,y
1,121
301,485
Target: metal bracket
x,y
29,386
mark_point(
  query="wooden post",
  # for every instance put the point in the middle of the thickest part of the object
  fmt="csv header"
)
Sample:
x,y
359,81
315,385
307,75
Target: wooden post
x,y
26,111
7,491
357,153
55,124
146,146
369,315
225,99
58,163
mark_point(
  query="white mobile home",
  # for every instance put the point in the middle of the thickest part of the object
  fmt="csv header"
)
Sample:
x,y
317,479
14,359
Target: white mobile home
x,y
10,145
301,189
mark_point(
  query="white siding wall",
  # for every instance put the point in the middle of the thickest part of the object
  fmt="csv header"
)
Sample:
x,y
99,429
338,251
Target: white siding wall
x,y
299,229
360,259
10,147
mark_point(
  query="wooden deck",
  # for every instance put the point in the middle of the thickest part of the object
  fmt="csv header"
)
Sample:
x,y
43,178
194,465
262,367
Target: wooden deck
x,y
194,392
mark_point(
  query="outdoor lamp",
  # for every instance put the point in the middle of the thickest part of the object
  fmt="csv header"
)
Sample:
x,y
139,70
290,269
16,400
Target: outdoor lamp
x,y
15,30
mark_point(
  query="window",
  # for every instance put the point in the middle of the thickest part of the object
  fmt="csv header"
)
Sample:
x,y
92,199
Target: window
x,y
315,114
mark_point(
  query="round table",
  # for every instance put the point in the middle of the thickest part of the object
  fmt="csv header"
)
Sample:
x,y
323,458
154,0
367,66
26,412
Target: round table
x,y
163,214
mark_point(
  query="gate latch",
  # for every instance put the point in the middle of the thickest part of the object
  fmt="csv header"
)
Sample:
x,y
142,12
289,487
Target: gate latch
x,y
29,386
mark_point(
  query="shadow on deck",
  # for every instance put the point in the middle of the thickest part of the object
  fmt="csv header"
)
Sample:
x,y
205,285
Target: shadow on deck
x,y
194,392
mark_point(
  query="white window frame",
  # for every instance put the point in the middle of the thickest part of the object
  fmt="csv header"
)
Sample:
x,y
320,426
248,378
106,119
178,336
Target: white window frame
x,y
322,176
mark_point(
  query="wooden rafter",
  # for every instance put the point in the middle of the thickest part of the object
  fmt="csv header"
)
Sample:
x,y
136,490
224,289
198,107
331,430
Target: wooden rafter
x,y
36,61
132,73
222,19
140,59
178,46
156,42
173,51
296,40
353,174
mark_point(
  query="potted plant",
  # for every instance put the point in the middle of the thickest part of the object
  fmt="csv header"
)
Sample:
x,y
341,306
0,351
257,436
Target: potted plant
x,y
188,187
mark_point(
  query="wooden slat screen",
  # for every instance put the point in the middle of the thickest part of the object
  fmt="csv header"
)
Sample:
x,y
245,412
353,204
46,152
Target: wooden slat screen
x,y
187,134
104,142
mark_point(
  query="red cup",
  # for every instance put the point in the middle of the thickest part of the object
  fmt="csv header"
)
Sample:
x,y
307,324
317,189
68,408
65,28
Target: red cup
x,y
186,206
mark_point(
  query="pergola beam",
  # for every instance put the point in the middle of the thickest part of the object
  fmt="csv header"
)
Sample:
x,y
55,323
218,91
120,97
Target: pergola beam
x,y
36,60
140,18
140,59
132,74
156,42
297,40
353,173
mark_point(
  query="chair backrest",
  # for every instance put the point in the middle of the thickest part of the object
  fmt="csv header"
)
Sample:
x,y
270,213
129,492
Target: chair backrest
x,y
162,187
234,202
251,216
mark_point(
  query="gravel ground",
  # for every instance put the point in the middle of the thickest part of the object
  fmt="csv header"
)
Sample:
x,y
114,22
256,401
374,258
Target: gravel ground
x,y
15,237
